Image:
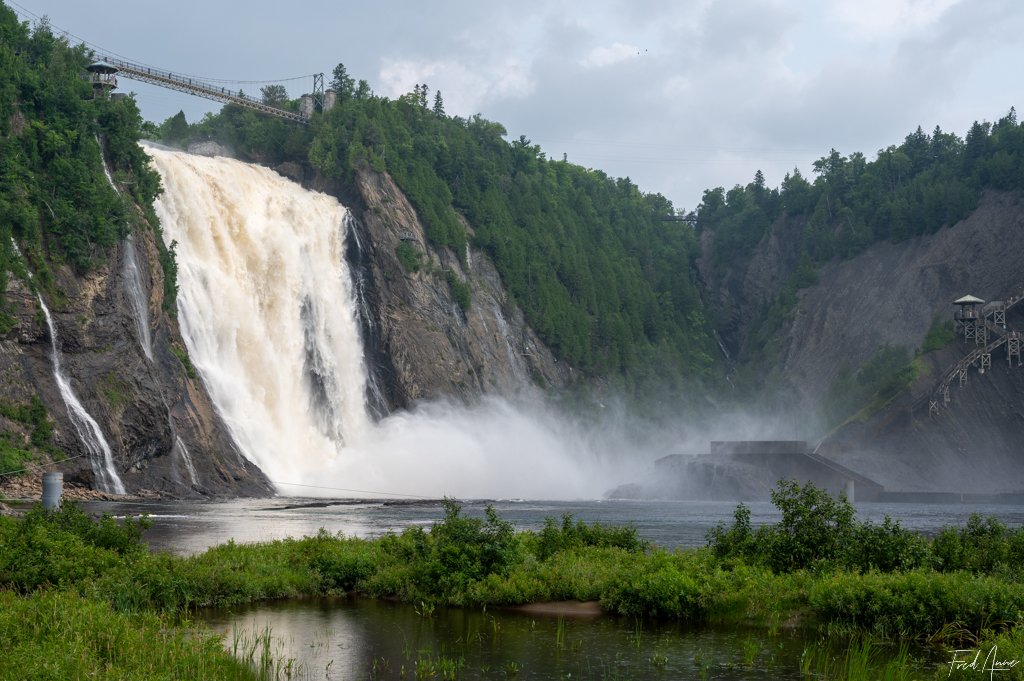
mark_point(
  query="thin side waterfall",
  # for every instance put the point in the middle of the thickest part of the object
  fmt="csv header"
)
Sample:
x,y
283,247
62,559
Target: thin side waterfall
x,y
137,296
266,308
182,453
132,277
100,455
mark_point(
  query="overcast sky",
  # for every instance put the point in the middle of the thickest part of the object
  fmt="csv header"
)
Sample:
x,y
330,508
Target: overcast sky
x,y
679,96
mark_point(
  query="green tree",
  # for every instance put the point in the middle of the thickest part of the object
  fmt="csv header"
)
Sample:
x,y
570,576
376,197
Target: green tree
x,y
342,83
273,95
175,129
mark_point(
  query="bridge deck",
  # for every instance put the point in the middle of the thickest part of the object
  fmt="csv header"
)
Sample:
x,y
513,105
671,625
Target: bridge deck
x,y
192,86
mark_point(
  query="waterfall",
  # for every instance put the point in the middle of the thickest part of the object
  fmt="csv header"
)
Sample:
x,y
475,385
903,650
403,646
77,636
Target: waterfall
x,y
132,276
269,314
181,450
137,296
100,455
266,308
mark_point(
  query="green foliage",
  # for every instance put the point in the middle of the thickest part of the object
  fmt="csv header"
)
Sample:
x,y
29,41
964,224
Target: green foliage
x,y
410,256
817,532
15,449
61,635
186,362
554,538
917,603
815,527
877,381
54,199
463,549
939,335
983,545
910,189
459,289
174,130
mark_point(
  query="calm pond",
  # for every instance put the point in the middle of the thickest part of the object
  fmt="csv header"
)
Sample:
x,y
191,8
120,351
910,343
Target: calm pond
x,y
356,638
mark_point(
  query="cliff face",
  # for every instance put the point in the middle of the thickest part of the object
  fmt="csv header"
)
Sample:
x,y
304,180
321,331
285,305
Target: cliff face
x,y
421,344
159,422
890,294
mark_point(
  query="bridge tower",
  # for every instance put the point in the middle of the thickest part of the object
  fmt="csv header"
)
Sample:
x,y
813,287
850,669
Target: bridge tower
x,y
103,76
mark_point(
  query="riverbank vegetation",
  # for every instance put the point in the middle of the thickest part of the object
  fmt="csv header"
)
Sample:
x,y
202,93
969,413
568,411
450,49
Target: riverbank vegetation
x,y
818,567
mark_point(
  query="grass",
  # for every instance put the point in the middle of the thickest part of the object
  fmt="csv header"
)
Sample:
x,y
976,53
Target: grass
x,y
61,635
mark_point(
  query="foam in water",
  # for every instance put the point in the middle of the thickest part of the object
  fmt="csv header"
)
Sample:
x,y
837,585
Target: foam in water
x,y
268,314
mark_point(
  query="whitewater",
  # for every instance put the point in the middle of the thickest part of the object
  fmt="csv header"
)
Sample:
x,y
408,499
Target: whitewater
x,y
268,313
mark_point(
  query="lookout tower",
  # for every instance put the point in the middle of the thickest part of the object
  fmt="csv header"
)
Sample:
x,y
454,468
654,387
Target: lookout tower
x,y
103,77
967,316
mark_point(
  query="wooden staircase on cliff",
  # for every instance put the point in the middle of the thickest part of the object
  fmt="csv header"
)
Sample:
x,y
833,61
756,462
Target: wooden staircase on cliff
x,y
987,328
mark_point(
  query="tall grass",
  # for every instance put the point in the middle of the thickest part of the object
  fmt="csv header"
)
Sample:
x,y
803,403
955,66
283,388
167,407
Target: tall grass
x,y
61,635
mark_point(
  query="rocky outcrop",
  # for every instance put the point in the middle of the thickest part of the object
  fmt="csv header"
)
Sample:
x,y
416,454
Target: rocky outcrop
x,y
159,421
421,343
889,294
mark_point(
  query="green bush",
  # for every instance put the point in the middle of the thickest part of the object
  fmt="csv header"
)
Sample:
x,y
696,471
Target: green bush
x,y
459,289
917,603
817,531
574,535
983,545
410,256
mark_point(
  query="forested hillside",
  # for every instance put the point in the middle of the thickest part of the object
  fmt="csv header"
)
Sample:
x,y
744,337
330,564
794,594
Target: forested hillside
x,y
915,188
54,199
605,281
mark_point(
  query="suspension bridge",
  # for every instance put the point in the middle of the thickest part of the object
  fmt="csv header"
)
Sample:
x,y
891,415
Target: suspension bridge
x,y
104,72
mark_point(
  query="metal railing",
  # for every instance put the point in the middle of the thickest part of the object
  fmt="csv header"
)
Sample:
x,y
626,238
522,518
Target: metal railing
x,y
192,86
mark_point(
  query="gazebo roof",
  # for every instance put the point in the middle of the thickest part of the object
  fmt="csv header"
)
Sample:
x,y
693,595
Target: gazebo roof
x,y
968,300
102,67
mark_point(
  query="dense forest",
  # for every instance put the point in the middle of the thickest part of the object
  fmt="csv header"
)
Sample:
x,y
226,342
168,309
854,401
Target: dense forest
x,y
54,199
915,188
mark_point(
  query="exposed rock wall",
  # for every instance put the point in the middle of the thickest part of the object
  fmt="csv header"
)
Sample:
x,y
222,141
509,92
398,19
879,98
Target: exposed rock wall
x,y
160,424
890,294
422,345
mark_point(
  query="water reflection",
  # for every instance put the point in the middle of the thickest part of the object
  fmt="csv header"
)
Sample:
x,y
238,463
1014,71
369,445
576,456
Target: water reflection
x,y
368,639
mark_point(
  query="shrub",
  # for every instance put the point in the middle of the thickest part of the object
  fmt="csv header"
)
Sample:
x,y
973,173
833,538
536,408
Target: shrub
x,y
410,257
572,535
983,545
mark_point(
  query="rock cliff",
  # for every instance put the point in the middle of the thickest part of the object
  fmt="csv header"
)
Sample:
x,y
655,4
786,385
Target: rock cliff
x,y
157,418
890,294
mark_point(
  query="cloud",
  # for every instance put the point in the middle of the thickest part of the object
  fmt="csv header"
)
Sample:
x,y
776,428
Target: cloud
x,y
600,57
888,19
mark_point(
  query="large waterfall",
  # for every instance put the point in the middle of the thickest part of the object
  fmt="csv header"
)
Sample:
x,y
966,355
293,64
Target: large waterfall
x,y
267,310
